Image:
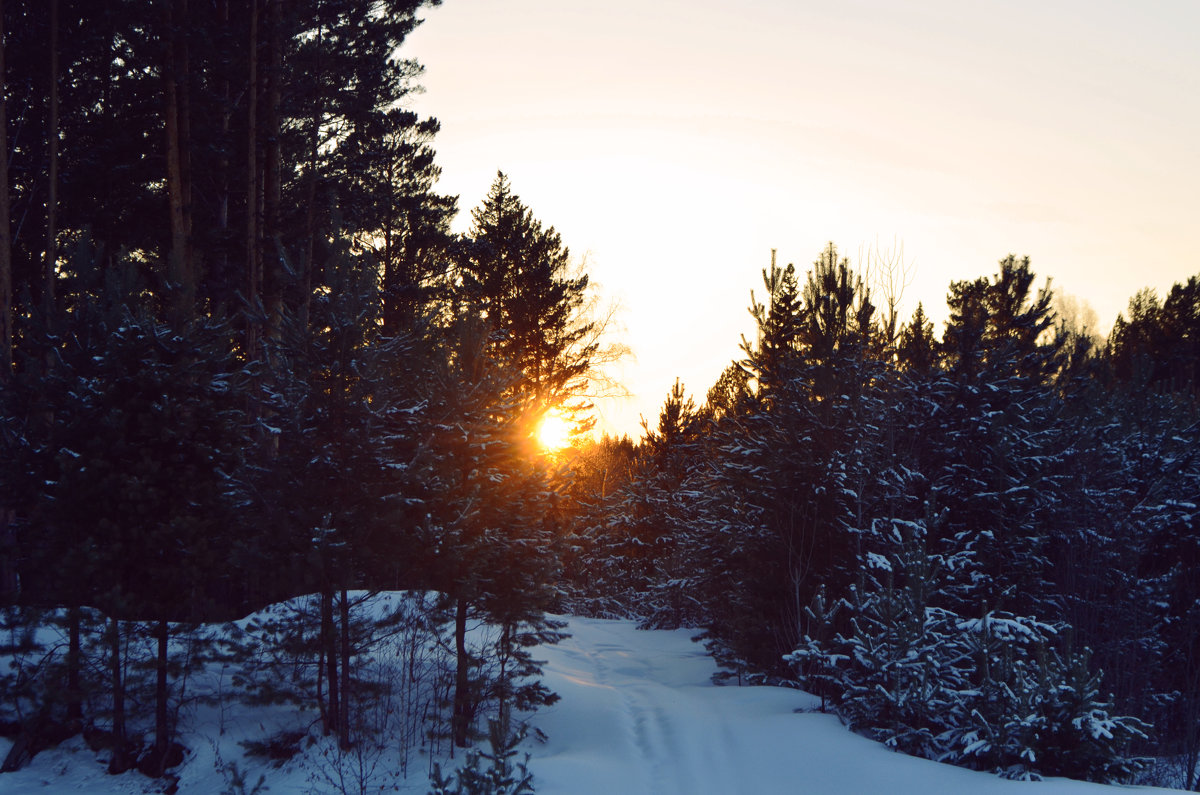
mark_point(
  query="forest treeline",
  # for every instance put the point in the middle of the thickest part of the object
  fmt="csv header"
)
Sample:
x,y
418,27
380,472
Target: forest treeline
x,y
245,362
980,547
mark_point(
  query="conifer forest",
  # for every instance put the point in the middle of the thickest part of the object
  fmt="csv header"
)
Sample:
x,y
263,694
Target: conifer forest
x,y
247,367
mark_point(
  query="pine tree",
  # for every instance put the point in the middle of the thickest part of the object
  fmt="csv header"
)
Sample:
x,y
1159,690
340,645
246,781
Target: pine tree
x,y
730,395
791,476
778,326
489,535
517,274
917,349
127,449
502,776
1002,434
892,671
343,483
637,544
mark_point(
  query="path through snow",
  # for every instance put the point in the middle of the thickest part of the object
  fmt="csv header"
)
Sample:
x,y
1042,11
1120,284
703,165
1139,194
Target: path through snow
x,y
639,714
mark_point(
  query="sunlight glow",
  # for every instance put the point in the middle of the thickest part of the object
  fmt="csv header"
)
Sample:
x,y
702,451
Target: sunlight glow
x,y
554,432
1097,171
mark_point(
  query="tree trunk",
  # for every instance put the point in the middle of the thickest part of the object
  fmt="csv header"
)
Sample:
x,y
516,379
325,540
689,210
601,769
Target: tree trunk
x,y
223,179
272,170
104,222
183,88
253,254
392,280
6,313
50,259
74,691
175,93
391,324
8,578
9,584
121,757
460,721
504,652
162,731
1191,716
310,216
329,657
344,725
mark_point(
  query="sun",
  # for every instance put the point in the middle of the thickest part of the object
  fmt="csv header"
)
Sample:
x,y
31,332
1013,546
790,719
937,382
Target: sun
x,y
553,432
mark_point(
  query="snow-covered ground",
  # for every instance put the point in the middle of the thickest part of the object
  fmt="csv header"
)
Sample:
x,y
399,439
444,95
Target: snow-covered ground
x,y
638,714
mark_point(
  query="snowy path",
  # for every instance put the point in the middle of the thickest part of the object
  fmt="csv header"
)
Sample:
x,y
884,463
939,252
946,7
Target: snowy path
x,y
638,707
639,715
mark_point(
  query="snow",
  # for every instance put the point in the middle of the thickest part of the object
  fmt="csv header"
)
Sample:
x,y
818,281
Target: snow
x,y
638,714
877,561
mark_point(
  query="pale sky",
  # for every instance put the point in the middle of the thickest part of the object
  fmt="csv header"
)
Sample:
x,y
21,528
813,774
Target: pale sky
x,y
674,143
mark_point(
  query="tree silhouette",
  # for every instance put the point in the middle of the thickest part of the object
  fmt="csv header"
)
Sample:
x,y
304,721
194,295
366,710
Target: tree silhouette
x,y
517,274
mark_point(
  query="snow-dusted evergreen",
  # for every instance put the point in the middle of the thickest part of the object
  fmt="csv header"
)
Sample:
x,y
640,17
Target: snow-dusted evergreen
x,y
252,381
960,544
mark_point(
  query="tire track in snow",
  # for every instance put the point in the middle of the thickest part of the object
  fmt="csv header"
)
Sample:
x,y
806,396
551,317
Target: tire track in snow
x,y
680,742
632,713
639,715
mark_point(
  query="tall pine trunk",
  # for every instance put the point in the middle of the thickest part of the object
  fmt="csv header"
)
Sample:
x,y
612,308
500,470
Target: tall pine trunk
x,y
162,729
344,724
504,651
6,313
329,659
223,179
175,77
310,215
50,259
460,721
122,758
74,655
273,278
8,575
253,193
392,284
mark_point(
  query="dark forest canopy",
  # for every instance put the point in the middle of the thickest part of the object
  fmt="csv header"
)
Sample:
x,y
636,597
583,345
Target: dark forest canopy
x,y
246,360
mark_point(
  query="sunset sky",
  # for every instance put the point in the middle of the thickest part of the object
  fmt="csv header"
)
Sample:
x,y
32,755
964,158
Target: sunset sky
x,y
675,143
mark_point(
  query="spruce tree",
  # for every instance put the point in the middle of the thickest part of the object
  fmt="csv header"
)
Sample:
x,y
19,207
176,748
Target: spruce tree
x,y
1002,435
791,475
638,539
517,274
127,451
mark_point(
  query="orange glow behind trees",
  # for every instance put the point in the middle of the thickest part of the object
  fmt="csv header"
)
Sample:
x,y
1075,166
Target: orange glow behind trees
x,y
553,432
